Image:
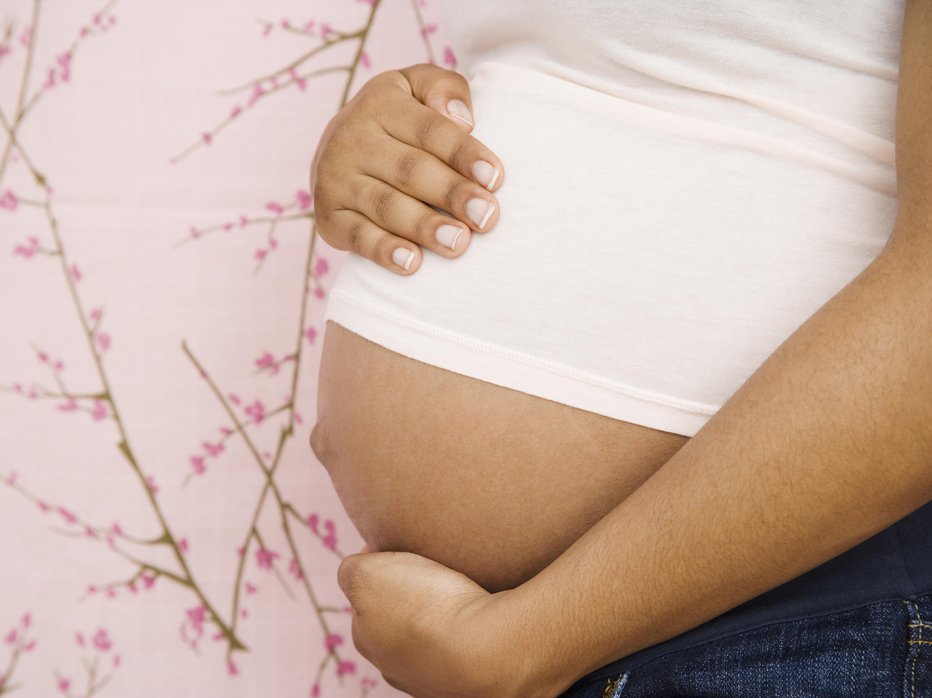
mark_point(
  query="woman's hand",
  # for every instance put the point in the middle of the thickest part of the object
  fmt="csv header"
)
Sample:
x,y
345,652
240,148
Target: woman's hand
x,y
434,633
395,151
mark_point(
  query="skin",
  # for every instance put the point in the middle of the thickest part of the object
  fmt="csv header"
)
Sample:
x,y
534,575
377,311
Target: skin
x,y
828,443
489,481
392,153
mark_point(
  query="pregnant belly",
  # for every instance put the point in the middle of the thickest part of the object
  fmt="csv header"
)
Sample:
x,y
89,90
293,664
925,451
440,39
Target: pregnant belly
x,y
492,482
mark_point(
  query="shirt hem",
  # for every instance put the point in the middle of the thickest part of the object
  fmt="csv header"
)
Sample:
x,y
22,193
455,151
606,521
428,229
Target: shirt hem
x,y
513,369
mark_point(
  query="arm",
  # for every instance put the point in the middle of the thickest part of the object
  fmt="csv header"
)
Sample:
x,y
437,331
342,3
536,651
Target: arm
x,y
828,443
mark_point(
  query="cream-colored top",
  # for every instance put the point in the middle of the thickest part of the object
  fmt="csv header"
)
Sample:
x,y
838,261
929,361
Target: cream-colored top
x,y
686,183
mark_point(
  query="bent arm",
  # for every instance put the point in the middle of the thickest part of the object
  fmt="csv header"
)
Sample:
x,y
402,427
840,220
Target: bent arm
x,y
826,444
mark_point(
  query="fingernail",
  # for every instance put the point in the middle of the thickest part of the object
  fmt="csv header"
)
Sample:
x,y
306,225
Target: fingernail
x,y
403,257
485,173
449,234
479,210
458,109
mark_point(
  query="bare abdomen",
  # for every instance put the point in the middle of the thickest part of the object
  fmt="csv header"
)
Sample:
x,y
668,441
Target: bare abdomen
x,y
487,480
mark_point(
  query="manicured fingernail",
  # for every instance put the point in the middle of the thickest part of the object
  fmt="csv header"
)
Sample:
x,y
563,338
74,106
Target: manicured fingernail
x,y
485,173
458,109
403,257
449,234
479,210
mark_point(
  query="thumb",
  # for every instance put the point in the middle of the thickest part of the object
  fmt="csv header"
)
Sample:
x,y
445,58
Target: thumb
x,y
445,91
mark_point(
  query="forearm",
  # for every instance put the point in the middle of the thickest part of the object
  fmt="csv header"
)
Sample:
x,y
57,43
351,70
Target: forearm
x,y
826,444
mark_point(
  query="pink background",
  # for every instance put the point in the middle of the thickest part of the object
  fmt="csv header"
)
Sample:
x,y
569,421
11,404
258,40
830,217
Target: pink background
x,y
176,214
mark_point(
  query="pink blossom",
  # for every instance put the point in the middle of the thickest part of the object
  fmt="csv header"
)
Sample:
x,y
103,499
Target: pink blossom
x,y
257,92
448,57
11,636
231,668
58,365
324,29
206,137
194,232
116,660
260,254
267,361
364,59
274,207
265,558
297,419
102,641
197,463
49,79
30,646
318,292
66,515
197,615
333,640
150,481
9,200
79,639
148,580
315,691
243,220
100,410
183,545
257,411
234,398
43,357
235,111
27,251
309,25
346,666
304,199
310,333
428,29
75,273
213,449
330,541
103,340
312,522
25,36
94,315
69,406
321,267
64,685
295,569
250,588
26,620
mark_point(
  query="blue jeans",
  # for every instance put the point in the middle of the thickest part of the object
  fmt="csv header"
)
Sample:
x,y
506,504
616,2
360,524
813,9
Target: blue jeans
x,y
858,625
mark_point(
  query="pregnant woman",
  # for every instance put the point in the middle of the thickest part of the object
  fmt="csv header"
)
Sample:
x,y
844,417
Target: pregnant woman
x,y
667,402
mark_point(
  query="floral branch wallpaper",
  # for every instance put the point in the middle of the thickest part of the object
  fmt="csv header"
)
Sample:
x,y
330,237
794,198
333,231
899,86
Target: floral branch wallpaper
x,y
166,529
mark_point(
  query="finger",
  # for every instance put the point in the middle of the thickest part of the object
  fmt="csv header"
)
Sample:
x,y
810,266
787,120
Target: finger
x,y
368,240
409,218
416,124
445,91
425,178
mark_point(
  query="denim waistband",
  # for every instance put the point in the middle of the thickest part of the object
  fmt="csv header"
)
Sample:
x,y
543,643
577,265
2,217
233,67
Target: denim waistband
x,y
895,563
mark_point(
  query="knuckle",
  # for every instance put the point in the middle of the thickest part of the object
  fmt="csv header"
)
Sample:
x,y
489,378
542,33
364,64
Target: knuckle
x,y
451,195
382,202
406,168
354,237
425,129
461,156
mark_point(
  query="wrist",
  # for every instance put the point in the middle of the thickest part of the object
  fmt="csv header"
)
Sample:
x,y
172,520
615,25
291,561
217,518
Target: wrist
x,y
535,642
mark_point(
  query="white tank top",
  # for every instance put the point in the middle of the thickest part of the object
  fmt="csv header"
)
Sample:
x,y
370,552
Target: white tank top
x,y
686,182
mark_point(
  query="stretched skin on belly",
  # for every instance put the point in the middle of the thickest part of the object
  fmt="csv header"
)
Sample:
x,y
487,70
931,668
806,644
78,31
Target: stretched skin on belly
x,y
487,480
